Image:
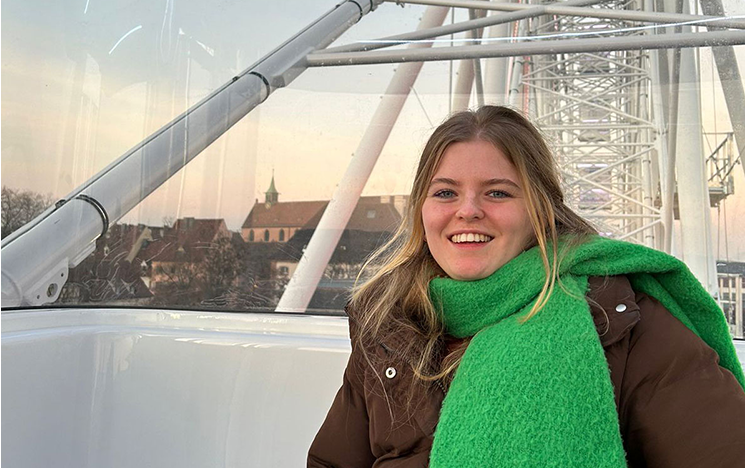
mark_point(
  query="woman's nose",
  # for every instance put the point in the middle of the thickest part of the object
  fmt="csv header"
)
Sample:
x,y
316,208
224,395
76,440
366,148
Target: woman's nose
x,y
470,209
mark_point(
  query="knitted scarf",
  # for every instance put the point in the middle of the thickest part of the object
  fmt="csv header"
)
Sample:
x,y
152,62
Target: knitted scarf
x,y
539,393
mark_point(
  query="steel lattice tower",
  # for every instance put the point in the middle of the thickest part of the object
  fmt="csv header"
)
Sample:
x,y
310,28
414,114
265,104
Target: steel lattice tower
x,y
596,110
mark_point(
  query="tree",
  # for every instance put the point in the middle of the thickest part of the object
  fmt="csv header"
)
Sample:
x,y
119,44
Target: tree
x,y
181,284
21,206
202,275
222,264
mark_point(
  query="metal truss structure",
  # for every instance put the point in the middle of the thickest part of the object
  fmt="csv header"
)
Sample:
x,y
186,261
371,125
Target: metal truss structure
x,y
596,110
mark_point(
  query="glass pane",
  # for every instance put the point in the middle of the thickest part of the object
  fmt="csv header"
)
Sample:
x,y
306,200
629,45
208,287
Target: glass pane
x,y
84,83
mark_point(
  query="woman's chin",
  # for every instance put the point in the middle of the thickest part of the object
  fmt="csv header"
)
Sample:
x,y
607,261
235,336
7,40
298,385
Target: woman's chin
x,y
473,271
469,274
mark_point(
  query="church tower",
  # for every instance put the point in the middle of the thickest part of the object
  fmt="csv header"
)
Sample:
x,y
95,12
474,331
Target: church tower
x,y
271,196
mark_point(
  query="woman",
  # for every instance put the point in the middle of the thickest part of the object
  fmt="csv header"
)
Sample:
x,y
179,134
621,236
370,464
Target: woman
x,y
500,330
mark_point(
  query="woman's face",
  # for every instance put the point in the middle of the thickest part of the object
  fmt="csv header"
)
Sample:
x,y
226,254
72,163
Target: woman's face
x,y
475,218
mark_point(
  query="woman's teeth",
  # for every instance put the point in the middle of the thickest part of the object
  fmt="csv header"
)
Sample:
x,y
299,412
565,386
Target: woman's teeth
x,y
470,237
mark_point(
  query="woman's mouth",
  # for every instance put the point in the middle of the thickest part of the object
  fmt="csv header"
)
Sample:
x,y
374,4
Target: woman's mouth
x,y
469,238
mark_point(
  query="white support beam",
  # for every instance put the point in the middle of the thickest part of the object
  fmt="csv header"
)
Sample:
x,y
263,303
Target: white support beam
x,y
466,77
478,76
310,269
693,193
684,40
496,69
563,8
641,229
400,39
515,94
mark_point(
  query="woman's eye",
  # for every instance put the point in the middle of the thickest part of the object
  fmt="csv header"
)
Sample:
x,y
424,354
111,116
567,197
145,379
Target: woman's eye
x,y
499,194
445,193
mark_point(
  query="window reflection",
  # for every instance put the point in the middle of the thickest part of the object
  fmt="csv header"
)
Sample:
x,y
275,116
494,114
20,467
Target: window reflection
x,y
201,263
220,233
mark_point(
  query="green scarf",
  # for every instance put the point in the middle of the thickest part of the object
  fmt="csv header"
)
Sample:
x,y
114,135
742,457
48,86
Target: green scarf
x,y
539,393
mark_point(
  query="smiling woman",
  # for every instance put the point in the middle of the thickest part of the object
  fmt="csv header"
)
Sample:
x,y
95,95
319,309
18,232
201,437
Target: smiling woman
x,y
498,317
475,218
126,345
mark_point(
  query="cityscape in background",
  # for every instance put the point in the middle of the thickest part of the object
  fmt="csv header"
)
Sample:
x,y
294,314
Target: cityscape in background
x,y
189,262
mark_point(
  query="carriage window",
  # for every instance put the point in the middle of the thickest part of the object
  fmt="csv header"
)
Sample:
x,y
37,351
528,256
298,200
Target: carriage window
x,y
84,85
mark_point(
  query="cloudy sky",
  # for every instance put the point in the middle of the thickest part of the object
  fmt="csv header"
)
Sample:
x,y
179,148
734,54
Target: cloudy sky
x,y
85,80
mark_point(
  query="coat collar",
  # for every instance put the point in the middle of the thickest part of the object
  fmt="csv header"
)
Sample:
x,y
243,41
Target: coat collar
x,y
612,304
613,307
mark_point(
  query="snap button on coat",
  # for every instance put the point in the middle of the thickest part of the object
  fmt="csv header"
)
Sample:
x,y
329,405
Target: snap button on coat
x,y
621,308
390,372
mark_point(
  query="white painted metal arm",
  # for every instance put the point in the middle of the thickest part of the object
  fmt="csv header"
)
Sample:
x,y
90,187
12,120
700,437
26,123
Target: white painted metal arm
x,y
546,47
304,281
570,8
530,11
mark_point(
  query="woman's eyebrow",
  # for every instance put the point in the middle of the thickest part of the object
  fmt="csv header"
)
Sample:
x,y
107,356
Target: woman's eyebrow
x,y
500,181
486,183
444,180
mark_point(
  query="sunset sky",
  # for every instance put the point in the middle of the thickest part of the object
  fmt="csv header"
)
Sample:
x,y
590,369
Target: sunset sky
x,y
84,81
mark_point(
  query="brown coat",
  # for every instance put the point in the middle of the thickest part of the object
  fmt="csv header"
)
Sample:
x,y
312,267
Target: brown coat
x,y
677,407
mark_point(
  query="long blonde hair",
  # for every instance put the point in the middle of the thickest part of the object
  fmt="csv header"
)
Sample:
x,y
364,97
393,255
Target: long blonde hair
x,y
395,297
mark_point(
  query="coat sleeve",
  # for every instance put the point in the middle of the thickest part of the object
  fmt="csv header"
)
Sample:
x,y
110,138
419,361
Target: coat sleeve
x,y
343,440
680,408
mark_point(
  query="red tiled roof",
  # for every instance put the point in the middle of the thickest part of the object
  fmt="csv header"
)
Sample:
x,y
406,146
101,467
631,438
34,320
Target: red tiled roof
x,y
284,214
377,217
370,214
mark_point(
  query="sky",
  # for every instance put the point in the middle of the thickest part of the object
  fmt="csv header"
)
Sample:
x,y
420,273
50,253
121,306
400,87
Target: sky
x,y
83,81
